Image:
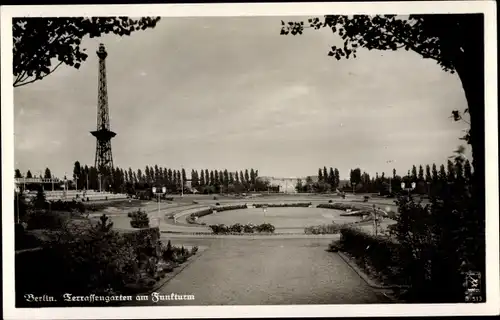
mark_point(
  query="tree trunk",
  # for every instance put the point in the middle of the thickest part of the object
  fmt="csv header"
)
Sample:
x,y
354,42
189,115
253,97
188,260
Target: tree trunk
x,y
471,73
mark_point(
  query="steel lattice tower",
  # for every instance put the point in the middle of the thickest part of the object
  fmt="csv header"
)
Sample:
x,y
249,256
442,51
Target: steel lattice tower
x,y
103,134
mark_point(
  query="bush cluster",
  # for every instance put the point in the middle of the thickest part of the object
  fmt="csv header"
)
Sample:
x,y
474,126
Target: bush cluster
x,y
44,219
78,258
140,219
176,255
377,253
283,205
239,228
94,258
323,229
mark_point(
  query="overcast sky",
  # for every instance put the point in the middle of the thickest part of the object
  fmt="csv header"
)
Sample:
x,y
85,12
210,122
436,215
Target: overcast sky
x,y
232,93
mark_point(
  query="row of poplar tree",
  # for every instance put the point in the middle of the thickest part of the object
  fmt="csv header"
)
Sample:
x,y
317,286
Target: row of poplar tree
x,y
121,180
427,180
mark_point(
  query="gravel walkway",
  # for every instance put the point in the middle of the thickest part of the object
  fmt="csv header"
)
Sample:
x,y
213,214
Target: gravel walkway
x,y
267,272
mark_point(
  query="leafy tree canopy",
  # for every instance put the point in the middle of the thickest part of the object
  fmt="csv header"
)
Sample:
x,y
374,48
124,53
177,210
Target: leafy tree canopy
x,y
38,41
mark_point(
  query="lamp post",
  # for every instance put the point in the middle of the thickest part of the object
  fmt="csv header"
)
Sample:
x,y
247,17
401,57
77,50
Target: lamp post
x,y
390,184
65,186
375,220
158,194
182,183
17,200
411,187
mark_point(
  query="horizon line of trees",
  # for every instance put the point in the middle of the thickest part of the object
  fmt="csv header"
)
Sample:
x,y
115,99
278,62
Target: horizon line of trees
x,y
121,180
427,181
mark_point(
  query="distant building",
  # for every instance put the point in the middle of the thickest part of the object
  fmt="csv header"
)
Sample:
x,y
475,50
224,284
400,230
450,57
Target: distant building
x,y
286,185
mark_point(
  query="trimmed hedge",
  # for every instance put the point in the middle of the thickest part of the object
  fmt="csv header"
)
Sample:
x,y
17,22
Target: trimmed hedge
x,y
283,205
375,253
231,207
323,229
191,219
340,206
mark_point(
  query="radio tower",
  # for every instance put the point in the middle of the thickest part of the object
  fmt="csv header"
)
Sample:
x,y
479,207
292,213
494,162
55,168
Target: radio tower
x,y
103,134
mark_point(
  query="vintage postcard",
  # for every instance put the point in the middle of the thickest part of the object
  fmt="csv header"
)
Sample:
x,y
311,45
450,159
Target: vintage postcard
x,y
249,160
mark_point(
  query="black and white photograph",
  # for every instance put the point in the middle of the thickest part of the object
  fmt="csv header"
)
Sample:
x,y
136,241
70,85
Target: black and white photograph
x,y
313,158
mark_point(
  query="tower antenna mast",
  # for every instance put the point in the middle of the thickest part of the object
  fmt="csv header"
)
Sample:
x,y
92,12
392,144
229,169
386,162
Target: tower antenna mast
x,y
103,134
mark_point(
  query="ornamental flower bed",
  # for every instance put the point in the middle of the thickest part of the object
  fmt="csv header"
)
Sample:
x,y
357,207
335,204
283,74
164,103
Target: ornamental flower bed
x,y
242,229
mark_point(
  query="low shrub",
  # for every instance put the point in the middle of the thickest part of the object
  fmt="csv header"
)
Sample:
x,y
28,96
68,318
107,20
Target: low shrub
x,y
323,229
248,228
194,250
219,228
140,219
167,252
334,246
330,201
236,228
265,227
366,198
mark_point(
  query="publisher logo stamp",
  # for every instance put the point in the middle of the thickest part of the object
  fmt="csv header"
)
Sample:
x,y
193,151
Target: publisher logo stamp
x,y
473,292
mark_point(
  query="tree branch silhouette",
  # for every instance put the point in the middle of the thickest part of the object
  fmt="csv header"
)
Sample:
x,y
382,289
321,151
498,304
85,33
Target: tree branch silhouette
x,y
37,41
